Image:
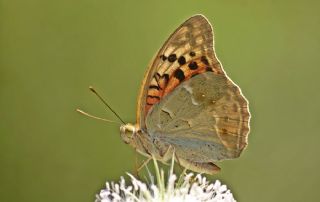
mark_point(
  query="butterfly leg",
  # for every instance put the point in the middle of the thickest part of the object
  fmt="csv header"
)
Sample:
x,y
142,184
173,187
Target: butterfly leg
x,y
178,160
138,166
167,155
144,163
203,167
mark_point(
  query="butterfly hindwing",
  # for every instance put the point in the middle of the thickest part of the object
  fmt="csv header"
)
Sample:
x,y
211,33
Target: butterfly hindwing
x,y
205,118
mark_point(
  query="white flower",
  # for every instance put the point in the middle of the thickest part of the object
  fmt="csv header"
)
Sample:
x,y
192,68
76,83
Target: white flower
x,y
186,189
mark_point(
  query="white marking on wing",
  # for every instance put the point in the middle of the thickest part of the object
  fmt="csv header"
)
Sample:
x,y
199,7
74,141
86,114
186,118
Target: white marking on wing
x,y
189,89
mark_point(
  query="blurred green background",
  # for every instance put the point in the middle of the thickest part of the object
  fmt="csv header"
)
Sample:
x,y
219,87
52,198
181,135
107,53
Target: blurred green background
x,y
51,51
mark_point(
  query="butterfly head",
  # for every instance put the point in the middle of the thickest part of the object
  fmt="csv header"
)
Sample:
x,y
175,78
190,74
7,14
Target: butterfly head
x,y
128,132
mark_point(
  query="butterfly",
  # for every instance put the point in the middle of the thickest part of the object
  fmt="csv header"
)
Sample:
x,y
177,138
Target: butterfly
x,y
188,105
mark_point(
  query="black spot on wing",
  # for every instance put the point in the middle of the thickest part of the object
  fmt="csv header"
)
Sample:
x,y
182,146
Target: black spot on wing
x,y
179,75
193,65
209,69
172,57
204,60
165,77
154,87
163,57
192,54
182,60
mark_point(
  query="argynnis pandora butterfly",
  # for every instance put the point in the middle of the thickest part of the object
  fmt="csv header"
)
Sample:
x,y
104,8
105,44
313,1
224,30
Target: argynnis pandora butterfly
x,y
187,104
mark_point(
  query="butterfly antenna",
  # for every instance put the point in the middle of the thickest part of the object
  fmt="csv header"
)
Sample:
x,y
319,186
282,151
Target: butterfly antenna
x,y
104,102
95,117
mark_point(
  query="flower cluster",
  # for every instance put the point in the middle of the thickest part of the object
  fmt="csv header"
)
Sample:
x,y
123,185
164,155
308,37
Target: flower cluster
x,y
187,188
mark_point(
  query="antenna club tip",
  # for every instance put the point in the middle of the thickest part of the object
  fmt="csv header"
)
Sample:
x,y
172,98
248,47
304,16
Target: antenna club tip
x,y
80,111
91,88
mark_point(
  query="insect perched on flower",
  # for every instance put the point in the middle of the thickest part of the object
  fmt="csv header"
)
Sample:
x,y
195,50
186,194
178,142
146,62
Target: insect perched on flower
x,y
188,105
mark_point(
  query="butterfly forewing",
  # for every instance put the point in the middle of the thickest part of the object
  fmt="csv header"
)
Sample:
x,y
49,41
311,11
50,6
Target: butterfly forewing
x,y
188,52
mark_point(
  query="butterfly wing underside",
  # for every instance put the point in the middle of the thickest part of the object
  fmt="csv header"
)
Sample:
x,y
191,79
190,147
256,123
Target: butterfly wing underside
x,y
187,100
205,119
190,41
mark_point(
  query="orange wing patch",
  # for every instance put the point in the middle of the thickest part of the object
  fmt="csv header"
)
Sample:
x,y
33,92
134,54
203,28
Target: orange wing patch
x,y
162,85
